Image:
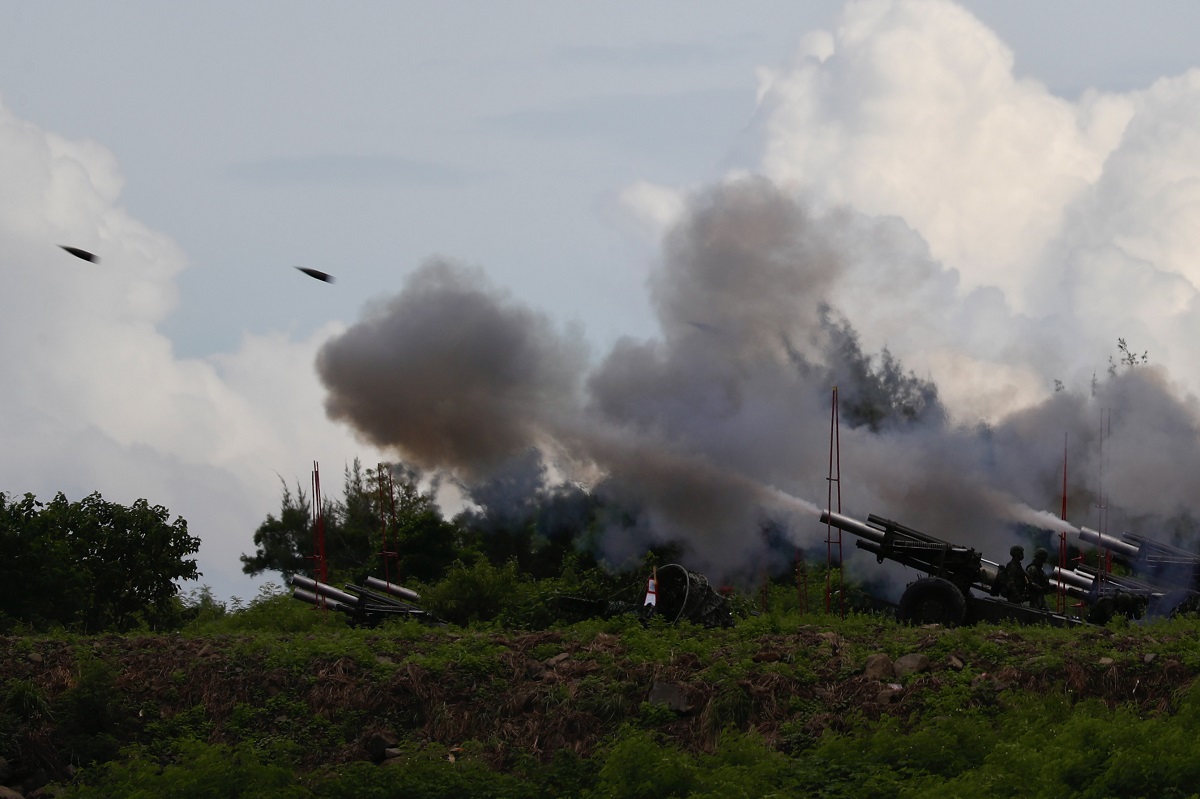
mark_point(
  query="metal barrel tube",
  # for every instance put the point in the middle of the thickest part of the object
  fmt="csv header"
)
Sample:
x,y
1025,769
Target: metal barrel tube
x,y
1073,591
852,526
324,590
1164,551
989,572
1115,545
393,589
304,595
1071,577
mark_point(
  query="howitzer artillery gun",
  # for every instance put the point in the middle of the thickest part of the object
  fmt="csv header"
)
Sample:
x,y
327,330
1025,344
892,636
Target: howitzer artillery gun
x,y
1164,579
368,605
945,595
680,595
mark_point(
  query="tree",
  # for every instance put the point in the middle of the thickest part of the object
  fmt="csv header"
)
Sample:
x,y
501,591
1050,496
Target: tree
x,y
375,503
1128,358
283,543
92,565
878,395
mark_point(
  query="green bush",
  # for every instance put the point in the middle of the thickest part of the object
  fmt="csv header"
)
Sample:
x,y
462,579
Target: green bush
x,y
198,771
473,593
94,714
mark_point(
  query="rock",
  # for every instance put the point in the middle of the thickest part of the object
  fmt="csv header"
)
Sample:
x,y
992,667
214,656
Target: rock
x,y
953,662
378,744
34,657
9,793
392,752
879,667
1148,658
1105,661
831,638
554,661
889,694
36,780
671,695
911,664
534,670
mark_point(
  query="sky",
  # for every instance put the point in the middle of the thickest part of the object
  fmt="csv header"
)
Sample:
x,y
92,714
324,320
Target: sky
x,y
994,191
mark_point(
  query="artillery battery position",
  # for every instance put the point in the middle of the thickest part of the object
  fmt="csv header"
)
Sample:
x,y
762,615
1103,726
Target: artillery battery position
x,y
680,595
368,605
1164,579
945,595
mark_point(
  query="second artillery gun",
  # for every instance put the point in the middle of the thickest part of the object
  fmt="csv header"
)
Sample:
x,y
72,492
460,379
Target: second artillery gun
x,y
1164,578
946,594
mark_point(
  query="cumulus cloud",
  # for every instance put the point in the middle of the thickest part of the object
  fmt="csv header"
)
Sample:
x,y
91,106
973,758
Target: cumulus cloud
x,y
95,398
1067,221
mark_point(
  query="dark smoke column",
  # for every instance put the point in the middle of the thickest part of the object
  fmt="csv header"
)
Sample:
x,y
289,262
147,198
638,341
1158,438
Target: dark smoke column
x,y
451,373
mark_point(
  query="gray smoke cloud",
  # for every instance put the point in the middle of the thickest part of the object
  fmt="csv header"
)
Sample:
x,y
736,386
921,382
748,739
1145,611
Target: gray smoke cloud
x,y
721,426
451,372
708,431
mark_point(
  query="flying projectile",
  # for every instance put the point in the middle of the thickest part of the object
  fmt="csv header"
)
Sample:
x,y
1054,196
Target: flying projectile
x,y
78,253
318,274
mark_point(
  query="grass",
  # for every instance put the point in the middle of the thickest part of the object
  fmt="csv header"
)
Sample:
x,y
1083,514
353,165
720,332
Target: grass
x,y
781,684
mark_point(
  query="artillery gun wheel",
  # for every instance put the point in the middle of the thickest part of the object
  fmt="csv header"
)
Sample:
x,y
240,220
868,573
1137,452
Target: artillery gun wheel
x,y
932,600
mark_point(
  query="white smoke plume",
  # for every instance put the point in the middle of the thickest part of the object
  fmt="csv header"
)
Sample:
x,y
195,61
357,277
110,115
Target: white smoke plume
x,y
914,207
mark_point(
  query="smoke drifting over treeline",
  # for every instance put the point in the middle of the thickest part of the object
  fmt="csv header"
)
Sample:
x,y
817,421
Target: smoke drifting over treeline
x,y
720,426
954,248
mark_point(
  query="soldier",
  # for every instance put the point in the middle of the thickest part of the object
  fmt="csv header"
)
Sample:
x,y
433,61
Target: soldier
x,y
1012,577
1038,582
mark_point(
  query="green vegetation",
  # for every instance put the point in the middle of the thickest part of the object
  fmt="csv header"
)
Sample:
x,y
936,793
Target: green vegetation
x,y
91,565
167,695
280,699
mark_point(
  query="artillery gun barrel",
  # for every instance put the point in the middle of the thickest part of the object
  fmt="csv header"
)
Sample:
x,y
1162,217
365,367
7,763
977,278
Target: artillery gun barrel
x,y
325,590
393,589
989,572
853,526
1124,549
1072,577
1073,591
304,595
1160,552
369,596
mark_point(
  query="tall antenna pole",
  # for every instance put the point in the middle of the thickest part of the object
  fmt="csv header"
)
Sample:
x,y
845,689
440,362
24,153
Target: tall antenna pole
x,y
320,565
834,540
386,552
1060,598
1105,556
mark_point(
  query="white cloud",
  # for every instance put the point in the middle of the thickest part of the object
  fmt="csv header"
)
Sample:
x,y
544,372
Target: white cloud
x,y
96,400
1081,216
916,113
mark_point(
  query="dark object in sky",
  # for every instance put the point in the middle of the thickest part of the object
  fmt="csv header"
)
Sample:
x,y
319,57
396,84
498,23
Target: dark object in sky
x,y
78,253
319,275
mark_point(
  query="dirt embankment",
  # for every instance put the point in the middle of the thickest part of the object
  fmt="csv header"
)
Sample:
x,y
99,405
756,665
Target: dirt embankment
x,y
522,694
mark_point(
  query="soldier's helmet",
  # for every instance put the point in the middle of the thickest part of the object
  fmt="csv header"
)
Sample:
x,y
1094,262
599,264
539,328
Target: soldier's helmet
x,y
1017,552
1040,554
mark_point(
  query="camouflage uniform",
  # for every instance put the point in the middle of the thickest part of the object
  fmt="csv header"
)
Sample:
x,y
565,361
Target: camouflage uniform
x,y
1012,577
1038,582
